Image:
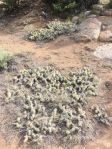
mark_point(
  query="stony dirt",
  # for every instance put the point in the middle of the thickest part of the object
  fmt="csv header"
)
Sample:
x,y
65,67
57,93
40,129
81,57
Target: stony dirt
x,y
65,54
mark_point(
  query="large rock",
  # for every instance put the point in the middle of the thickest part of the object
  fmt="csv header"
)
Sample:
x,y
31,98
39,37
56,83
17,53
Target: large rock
x,y
106,36
88,30
90,27
104,51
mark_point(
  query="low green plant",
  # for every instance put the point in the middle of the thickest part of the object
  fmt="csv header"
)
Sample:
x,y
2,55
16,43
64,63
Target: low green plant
x,y
51,31
5,58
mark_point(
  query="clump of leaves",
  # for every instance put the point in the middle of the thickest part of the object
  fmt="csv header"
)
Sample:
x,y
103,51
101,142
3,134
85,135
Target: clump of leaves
x,y
51,31
5,59
100,115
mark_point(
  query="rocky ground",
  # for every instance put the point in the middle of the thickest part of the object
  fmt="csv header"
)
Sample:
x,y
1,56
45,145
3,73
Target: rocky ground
x,y
90,46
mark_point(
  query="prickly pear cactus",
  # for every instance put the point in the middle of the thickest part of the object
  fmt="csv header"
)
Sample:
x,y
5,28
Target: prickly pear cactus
x,y
53,104
51,31
100,115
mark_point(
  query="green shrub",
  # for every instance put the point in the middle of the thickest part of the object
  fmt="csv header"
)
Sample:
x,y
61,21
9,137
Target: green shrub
x,y
51,31
71,5
5,58
85,4
60,6
11,4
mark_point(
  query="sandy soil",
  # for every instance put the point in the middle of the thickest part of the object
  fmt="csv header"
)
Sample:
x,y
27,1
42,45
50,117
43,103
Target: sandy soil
x,y
65,54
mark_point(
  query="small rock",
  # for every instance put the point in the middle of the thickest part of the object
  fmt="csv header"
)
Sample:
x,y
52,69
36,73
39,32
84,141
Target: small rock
x,y
108,85
87,13
106,36
104,51
75,19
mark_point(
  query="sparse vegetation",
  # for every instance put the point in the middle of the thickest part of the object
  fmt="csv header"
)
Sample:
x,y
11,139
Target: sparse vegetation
x,y
51,31
100,115
5,59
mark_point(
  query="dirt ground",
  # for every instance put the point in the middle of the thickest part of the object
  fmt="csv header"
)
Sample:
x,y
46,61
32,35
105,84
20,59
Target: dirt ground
x,y
65,54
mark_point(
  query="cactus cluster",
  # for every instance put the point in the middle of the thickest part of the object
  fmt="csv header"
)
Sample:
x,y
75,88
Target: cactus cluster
x,y
53,104
84,81
51,31
100,115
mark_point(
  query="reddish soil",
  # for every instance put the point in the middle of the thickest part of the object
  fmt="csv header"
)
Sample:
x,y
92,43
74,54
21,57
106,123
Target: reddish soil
x,y
65,54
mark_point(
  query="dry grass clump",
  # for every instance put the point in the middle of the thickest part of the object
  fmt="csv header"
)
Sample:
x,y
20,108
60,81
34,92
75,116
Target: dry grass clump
x,y
53,105
51,31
